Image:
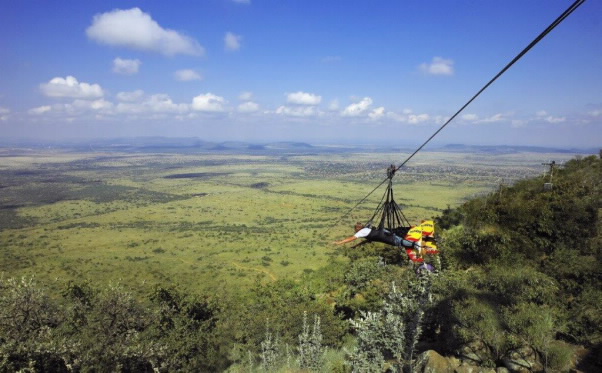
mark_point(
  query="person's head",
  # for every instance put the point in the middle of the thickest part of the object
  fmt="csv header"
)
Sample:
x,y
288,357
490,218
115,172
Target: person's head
x,y
359,226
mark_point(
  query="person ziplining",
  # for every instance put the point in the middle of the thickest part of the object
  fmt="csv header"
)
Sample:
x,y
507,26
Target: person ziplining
x,y
394,228
417,241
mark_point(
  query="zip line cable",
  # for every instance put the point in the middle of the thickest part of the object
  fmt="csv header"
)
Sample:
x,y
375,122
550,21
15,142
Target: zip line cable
x,y
553,25
564,15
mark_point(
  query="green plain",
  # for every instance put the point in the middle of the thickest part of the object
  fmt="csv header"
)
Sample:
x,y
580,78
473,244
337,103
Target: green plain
x,y
214,222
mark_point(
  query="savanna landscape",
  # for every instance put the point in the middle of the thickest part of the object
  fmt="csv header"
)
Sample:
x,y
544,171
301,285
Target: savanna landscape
x,y
247,186
204,220
224,260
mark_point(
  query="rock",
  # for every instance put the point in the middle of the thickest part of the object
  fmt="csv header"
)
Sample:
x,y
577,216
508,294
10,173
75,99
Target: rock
x,y
466,368
454,361
474,353
522,360
501,370
431,362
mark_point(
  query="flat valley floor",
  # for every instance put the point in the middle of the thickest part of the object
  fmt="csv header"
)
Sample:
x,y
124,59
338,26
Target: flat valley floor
x,y
214,222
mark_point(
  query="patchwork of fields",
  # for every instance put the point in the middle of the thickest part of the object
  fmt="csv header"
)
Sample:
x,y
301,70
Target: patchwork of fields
x,y
213,222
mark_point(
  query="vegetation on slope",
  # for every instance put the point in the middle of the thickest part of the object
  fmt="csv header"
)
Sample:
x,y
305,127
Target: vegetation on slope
x,y
523,267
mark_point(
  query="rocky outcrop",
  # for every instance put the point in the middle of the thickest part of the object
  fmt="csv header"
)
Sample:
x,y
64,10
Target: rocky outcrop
x,y
522,360
431,362
471,357
474,353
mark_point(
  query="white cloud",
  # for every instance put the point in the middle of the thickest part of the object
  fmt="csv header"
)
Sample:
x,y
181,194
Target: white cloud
x,y
4,113
297,111
492,119
187,75
595,113
407,116
439,66
131,108
157,103
130,103
208,102
246,96
70,87
86,105
303,98
232,41
130,96
440,119
164,104
248,107
40,110
357,108
76,108
126,67
377,113
551,119
543,115
418,118
470,117
132,28
396,117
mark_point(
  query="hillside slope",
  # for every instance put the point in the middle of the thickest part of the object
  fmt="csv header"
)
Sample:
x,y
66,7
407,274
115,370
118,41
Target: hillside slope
x,y
524,267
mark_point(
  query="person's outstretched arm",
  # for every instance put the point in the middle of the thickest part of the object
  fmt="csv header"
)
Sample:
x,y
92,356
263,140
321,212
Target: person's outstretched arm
x,y
348,239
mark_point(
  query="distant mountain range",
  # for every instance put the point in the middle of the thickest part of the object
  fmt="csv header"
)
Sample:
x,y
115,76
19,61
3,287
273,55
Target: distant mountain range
x,y
195,145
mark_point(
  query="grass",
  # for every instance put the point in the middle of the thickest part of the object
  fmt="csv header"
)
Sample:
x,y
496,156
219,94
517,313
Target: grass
x,y
222,222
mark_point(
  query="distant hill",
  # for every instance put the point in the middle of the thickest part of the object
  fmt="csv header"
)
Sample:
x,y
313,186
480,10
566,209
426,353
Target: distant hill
x,y
195,144
289,145
509,149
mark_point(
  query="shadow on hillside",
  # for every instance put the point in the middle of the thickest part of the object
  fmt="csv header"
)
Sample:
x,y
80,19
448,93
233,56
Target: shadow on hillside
x,y
591,361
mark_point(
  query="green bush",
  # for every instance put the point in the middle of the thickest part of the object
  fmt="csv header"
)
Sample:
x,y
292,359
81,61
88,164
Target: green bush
x,y
560,356
361,273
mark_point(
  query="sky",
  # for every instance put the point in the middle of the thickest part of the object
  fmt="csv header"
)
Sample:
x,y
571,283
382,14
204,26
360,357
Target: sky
x,y
318,71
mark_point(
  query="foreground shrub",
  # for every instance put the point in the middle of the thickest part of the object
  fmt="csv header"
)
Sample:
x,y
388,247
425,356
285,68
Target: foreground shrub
x,y
392,333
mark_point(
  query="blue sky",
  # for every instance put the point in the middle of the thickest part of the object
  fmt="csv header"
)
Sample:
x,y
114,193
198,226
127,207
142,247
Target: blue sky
x,y
328,72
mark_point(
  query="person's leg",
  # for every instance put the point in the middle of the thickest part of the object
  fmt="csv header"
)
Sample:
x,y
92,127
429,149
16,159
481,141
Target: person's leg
x,y
413,257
